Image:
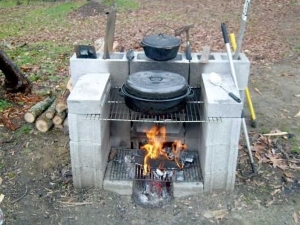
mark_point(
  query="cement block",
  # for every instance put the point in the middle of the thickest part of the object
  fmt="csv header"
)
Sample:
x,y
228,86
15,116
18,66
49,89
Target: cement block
x,y
218,63
179,64
89,162
218,150
184,189
219,181
217,101
89,95
117,66
84,128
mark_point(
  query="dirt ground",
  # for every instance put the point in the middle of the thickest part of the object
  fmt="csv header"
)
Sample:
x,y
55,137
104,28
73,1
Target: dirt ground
x,y
35,167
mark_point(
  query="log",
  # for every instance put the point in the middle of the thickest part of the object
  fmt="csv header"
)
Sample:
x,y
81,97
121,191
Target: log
x,y
50,112
38,109
15,80
59,117
42,123
61,104
58,126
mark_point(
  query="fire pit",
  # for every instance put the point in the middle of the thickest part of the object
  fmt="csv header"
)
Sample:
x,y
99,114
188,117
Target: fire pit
x,y
193,150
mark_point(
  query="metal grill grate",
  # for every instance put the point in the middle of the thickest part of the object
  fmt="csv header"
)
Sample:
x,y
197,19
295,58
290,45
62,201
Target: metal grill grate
x,y
120,112
122,170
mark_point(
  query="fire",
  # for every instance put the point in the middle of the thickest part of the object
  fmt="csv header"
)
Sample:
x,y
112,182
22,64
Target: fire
x,y
154,149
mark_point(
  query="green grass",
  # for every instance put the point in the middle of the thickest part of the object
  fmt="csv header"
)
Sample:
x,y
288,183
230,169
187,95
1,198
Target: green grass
x,y
124,4
30,17
25,129
297,48
4,105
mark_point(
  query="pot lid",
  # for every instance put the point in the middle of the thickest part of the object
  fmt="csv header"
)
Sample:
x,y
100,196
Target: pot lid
x,y
156,84
161,41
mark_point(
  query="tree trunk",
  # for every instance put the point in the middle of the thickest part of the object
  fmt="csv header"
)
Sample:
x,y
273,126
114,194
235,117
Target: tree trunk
x,y
15,81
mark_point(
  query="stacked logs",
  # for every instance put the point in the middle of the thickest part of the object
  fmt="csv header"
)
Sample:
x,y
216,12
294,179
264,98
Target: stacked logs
x,y
50,112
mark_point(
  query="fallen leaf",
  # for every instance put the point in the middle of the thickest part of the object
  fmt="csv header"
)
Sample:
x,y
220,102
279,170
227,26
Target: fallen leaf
x,y
284,110
1,197
1,180
298,96
289,174
297,115
275,191
270,203
295,216
257,91
217,214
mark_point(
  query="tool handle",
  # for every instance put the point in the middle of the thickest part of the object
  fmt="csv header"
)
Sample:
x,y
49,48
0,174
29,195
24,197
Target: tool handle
x,y
188,52
130,55
224,31
236,98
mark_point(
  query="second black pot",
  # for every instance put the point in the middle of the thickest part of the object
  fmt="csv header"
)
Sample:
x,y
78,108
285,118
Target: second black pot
x,y
160,47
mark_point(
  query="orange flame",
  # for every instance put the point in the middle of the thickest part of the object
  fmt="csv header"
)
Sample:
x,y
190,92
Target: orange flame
x,y
154,149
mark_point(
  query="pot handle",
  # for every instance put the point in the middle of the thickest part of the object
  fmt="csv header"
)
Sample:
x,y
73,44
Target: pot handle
x,y
191,94
121,92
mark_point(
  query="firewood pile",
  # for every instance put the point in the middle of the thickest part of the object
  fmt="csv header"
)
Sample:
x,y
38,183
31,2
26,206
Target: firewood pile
x,y
50,112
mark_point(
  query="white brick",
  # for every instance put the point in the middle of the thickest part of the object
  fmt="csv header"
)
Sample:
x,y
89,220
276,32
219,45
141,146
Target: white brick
x,y
89,95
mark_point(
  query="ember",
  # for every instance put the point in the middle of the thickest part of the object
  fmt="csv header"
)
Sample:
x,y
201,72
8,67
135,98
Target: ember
x,y
155,149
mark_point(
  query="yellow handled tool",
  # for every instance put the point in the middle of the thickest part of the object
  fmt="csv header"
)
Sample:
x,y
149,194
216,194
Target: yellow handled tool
x,y
249,100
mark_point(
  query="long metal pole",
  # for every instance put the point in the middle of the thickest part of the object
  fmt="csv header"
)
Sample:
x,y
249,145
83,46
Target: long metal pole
x,y
226,40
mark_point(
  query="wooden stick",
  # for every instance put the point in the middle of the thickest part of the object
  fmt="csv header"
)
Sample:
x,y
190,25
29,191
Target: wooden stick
x,y
59,117
37,109
61,104
276,134
43,123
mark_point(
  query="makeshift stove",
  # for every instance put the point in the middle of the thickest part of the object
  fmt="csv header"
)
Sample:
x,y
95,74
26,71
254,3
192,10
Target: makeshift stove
x,y
197,146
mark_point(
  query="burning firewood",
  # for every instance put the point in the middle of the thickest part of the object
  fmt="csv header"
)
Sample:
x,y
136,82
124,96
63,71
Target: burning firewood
x,y
37,109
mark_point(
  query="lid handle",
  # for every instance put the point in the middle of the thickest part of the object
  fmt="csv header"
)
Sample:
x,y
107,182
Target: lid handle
x,y
156,79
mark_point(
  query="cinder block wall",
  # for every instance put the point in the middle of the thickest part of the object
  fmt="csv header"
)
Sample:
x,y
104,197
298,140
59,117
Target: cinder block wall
x,y
89,136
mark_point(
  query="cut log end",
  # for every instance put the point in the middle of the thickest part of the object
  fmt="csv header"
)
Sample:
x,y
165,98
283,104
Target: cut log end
x,y
29,117
42,125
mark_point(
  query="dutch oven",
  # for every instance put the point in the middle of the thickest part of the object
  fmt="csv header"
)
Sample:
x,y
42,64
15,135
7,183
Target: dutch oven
x,y
155,92
160,47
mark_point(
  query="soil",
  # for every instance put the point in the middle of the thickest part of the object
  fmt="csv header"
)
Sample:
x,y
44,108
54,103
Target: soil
x,y
35,168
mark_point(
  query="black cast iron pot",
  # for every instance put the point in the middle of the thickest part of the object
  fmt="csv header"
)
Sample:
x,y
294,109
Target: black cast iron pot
x,y
160,47
156,92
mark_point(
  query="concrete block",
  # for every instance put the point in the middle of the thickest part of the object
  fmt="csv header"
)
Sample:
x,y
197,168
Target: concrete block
x,y
179,64
89,95
89,162
117,66
218,63
219,145
217,101
85,128
184,189
219,181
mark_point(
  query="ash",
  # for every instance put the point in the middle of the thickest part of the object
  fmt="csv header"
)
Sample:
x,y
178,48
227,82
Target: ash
x,y
152,193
